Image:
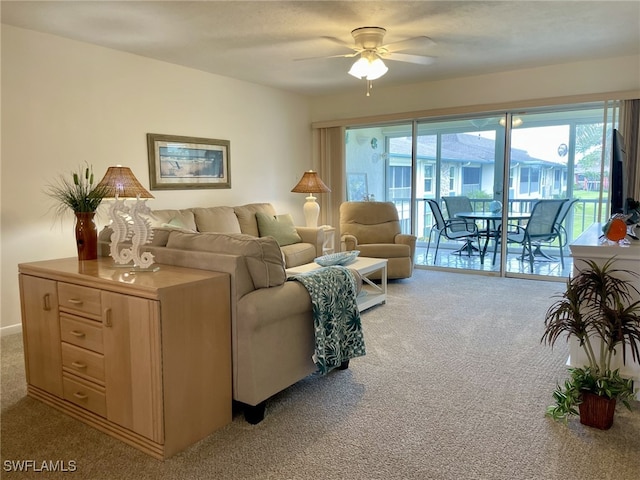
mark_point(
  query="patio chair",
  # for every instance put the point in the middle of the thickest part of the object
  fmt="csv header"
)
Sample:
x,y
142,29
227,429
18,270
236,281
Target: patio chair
x,y
542,227
455,205
564,211
453,229
562,232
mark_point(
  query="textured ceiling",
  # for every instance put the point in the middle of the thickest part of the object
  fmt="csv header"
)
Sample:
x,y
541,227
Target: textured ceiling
x,y
261,41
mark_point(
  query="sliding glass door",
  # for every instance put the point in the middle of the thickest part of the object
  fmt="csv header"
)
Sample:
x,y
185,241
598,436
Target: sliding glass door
x,y
494,166
571,148
459,165
375,174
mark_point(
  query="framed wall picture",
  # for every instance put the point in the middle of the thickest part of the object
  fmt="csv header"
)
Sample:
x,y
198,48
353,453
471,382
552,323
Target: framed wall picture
x,y
187,162
357,188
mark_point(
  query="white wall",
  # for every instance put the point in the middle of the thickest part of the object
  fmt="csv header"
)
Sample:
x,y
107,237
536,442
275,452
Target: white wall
x,y
565,80
65,103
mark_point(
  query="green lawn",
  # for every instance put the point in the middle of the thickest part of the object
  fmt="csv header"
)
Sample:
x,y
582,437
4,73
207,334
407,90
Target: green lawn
x,y
584,213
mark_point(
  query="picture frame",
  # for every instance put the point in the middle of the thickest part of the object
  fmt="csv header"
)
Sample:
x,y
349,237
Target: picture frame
x,y
357,187
177,162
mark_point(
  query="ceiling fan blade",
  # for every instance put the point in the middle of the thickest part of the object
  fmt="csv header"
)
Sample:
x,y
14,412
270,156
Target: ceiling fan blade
x,y
337,41
416,42
346,55
403,57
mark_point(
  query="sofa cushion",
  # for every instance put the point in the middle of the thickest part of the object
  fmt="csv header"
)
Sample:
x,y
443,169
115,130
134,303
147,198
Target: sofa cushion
x,y
279,227
175,218
384,250
216,219
263,255
161,236
246,215
298,254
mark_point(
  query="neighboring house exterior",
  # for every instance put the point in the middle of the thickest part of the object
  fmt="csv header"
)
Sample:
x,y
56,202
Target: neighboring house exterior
x,y
467,167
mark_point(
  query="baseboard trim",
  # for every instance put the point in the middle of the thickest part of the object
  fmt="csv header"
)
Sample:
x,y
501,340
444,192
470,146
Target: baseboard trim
x,y
11,329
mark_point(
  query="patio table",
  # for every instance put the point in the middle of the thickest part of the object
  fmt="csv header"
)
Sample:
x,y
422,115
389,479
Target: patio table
x,y
490,218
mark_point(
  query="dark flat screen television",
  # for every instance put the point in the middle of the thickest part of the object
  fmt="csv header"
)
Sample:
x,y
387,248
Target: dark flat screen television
x,y
618,174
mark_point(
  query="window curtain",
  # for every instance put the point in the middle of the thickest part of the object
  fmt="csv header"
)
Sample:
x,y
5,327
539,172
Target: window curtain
x,y
329,161
630,129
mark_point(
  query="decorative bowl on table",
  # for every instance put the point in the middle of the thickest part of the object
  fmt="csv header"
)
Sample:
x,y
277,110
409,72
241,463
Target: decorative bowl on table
x,y
340,258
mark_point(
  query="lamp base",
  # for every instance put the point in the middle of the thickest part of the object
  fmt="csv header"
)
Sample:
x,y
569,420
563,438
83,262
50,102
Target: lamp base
x,y
130,223
311,211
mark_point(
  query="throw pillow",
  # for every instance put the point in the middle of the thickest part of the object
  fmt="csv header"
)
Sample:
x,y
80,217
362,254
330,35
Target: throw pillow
x,y
177,224
279,227
216,219
184,217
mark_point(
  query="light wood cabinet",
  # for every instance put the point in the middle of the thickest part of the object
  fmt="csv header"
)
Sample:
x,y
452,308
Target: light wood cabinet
x,y
144,357
41,334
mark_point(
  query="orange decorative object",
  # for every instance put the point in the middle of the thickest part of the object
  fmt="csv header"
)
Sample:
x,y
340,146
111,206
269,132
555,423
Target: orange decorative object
x,y
617,230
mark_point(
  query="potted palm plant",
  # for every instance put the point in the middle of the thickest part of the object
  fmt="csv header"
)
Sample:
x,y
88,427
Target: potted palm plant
x,y
600,310
77,192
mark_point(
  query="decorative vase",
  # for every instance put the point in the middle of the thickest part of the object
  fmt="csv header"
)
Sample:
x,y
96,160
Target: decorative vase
x,y
495,206
597,411
86,236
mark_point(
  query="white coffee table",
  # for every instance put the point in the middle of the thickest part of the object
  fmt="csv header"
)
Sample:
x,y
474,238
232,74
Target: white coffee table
x,y
371,293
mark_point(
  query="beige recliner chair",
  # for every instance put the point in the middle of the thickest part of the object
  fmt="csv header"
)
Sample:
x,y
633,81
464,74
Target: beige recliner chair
x,y
373,228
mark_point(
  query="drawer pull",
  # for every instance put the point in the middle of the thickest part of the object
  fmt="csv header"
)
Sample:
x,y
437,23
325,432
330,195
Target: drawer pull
x,y
80,395
46,302
75,301
77,333
79,364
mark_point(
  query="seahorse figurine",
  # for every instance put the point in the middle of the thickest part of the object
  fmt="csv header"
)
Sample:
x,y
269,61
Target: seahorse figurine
x,y
142,233
121,233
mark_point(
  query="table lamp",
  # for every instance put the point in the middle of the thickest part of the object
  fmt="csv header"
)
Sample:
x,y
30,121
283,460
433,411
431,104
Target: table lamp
x,y
120,182
311,183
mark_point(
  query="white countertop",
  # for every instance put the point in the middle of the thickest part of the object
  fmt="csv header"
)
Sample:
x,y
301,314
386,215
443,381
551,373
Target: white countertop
x,y
589,244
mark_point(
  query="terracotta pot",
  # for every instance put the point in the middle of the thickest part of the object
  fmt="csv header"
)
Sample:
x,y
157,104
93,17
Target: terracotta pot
x,y
597,411
86,236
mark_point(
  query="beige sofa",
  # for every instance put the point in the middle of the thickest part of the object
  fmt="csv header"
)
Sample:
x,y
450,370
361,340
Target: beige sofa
x,y
271,318
241,219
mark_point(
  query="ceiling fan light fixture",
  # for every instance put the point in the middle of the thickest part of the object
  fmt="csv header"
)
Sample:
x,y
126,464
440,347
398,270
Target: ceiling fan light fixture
x,y
368,66
360,68
377,68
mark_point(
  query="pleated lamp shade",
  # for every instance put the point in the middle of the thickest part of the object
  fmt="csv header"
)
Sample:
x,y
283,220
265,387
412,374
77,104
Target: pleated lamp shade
x,y
122,182
311,183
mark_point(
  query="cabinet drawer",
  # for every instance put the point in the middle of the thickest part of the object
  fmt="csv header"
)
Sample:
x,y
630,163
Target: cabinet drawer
x,y
81,332
79,299
82,362
82,394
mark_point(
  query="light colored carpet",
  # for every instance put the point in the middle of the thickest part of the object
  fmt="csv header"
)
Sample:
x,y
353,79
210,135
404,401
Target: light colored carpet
x,y
454,386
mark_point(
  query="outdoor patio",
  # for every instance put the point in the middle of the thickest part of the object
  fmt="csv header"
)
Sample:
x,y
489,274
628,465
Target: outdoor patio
x,y
448,259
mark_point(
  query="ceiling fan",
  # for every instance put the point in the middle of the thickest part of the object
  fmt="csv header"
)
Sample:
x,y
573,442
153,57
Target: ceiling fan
x,y
369,46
